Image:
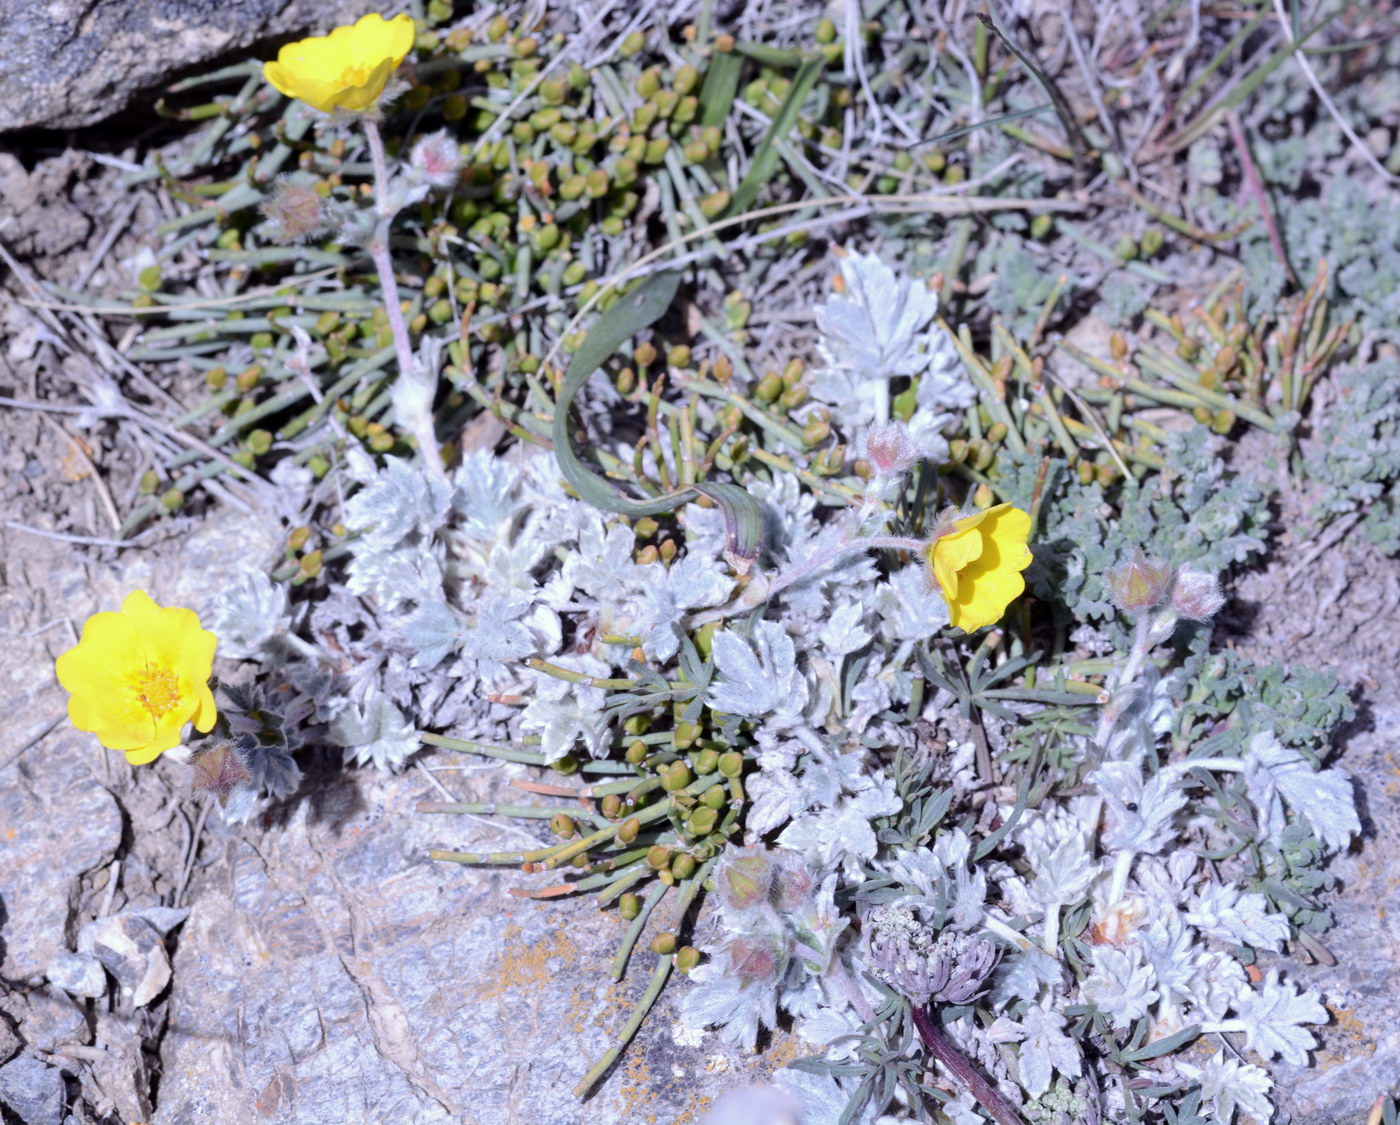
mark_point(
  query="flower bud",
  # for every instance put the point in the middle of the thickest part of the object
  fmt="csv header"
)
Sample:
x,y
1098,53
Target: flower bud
x,y
1196,595
1140,583
295,211
752,959
792,882
437,159
743,878
889,450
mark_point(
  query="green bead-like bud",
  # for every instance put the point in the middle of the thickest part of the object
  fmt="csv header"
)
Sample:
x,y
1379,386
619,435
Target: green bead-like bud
x,y
684,735
563,825
769,387
636,753
627,832
664,943
683,865
629,906
649,82
714,797
731,763
687,958
658,856
632,44
706,762
566,765
676,778
611,806
702,820
172,499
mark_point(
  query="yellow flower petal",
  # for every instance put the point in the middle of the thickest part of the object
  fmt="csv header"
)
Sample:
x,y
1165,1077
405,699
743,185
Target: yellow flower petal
x,y
978,586
347,69
953,552
136,677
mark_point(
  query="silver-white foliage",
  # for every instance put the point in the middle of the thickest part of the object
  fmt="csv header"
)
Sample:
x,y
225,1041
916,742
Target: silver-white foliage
x,y
1229,1086
1120,986
877,327
247,614
374,733
1276,775
1140,811
1045,1048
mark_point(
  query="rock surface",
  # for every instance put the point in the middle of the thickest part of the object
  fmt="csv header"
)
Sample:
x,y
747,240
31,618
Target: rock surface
x,y
330,973
68,63
32,1090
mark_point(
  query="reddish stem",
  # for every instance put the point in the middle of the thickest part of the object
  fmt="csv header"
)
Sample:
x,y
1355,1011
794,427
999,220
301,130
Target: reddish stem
x,y
941,1048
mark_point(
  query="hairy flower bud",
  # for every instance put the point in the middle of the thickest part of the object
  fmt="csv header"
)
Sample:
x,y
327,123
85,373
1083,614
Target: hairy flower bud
x,y
1196,595
792,882
295,211
743,878
437,159
889,449
1140,583
951,968
754,960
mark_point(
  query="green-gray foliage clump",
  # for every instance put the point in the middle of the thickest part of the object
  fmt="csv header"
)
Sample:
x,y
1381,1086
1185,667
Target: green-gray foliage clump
x,y
1352,460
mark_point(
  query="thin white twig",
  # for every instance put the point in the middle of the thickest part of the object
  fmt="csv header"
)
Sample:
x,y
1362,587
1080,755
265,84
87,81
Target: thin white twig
x,y
1326,99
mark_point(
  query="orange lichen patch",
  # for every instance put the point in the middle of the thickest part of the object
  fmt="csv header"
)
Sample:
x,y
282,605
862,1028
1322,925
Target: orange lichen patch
x,y
1346,1038
10,833
77,463
528,964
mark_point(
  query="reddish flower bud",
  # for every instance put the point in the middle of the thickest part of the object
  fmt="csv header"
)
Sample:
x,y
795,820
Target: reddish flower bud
x,y
792,883
437,159
295,211
889,449
743,878
752,959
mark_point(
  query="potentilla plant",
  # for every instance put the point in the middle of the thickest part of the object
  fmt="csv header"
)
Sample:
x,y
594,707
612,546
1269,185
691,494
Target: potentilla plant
x,y
347,76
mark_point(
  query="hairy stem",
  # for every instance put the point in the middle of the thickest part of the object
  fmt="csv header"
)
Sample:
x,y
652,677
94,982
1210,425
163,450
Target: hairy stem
x,y
378,248
941,1048
758,593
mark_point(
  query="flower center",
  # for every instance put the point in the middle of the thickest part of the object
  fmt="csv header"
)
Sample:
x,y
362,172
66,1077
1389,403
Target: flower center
x,y
354,76
157,689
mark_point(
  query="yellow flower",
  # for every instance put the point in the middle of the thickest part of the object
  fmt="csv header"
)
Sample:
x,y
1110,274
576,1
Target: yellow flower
x,y
978,565
346,69
138,676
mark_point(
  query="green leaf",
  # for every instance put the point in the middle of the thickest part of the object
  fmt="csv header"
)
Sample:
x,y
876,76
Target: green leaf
x,y
765,156
1164,1046
635,311
720,88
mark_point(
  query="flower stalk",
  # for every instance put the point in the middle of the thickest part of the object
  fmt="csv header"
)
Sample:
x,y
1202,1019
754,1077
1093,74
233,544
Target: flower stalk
x,y
421,421
941,1048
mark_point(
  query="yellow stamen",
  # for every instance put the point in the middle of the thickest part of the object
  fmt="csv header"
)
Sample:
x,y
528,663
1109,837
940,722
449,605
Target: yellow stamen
x,y
157,689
